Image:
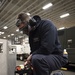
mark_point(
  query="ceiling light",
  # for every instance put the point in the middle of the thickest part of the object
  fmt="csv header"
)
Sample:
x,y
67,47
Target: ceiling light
x,y
21,32
28,13
4,37
8,35
47,6
61,28
12,34
17,30
2,33
20,36
64,15
5,27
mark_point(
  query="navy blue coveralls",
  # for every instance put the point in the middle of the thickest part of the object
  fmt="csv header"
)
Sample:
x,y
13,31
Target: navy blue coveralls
x,y
46,51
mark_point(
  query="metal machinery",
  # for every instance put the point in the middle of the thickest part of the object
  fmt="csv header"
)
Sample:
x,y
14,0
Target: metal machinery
x,y
67,40
7,58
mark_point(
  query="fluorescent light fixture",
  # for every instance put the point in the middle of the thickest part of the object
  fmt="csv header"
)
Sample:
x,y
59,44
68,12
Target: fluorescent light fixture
x,y
64,15
20,36
28,13
47,6
4,37
17,30
2,33
61,28
21,32
8,35
12,34
5,27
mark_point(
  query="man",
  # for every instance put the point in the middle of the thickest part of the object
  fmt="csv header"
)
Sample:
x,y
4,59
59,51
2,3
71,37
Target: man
x,y
46,53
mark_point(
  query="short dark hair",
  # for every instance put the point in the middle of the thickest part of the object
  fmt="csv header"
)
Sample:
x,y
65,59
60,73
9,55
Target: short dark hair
x,y
22,16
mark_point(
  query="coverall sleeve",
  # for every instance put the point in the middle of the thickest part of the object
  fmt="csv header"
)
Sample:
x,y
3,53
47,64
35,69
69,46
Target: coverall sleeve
x,y
47,39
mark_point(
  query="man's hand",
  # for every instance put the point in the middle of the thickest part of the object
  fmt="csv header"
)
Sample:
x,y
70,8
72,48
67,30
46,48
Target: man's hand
x,y
28,60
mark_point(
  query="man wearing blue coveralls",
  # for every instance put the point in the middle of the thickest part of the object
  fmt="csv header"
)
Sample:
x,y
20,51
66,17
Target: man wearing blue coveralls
x,y
46,52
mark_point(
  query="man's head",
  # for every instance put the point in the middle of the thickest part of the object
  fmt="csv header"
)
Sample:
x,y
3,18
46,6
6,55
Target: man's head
x,y
24,21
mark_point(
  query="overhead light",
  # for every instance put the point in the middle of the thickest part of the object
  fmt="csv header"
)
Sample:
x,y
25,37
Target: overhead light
x,y
4,37
5,27
8,35
47,6
21,32
61,28
64,15
12,34
28,13
2,33
20,36
17,30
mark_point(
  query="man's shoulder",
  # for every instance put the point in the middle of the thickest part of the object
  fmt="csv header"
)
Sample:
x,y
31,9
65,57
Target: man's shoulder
x,y
47,23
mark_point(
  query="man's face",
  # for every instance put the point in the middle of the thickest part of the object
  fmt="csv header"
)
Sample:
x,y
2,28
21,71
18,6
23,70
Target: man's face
x,y
24,28
21,26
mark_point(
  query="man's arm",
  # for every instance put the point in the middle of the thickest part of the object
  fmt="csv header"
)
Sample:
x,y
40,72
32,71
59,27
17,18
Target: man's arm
x,y
28,59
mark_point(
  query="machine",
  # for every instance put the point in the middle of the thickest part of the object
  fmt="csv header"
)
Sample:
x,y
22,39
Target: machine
x,y
7,58
67,40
